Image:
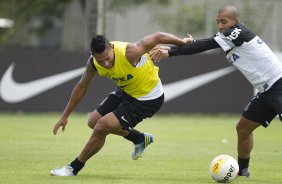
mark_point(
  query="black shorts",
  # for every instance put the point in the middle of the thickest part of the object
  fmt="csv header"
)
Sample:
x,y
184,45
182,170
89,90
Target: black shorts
x,y
265,106
128,110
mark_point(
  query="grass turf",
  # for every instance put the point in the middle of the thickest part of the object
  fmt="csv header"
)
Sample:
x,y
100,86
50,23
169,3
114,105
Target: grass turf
x,y
181,153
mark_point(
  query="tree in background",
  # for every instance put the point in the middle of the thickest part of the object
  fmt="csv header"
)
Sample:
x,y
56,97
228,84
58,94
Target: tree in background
x,y
199,19
78,20
33,19
70,24
186,18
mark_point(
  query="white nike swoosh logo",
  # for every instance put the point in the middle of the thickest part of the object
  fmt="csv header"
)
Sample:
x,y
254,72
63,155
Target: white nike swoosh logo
x,y
124,119
181,87
13,92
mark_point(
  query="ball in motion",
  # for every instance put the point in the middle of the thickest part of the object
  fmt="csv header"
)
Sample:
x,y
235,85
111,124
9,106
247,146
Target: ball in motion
x,y
224,169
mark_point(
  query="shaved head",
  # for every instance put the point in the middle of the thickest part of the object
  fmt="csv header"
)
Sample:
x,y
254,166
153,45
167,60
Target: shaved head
x,y
232,11
227,17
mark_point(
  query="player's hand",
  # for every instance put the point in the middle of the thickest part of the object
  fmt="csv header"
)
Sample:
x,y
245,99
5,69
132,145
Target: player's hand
x,y
61,123
159,52
189,39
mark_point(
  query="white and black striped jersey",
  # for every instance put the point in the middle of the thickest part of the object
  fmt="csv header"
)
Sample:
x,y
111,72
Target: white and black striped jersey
x,y
250,55
246,51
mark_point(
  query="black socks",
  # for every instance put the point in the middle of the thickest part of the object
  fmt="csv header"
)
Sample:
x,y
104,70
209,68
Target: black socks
x,y
243,165
135,136
77,166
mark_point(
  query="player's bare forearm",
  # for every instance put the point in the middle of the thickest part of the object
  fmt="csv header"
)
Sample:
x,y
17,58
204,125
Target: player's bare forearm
x,y
167,38
80,89
135,50
150,41
75,98
77,94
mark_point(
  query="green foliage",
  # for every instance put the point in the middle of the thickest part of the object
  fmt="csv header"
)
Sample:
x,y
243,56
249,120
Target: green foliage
x,y
34,18
25,13
187,18
256,20
192,18
122,5
28,9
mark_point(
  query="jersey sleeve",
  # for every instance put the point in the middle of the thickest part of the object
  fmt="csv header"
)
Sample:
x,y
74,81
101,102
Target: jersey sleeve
x,y
196,47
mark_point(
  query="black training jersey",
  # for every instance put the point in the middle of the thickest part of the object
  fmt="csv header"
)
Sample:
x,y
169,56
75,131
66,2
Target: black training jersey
x,y
250,55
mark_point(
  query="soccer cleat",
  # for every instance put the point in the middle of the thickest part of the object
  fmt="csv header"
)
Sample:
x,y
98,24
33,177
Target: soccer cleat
x,y
64,171
139,148
245,172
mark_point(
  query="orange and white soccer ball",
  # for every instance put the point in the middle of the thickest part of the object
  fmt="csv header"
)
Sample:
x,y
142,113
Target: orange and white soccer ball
x,y
224,169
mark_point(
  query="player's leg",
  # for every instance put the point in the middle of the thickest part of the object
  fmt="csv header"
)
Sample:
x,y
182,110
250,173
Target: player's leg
x,y
130,112
259,111
126,115
276,96
109,105
129,116
93,118
106,125
105,107
245,130
133,111
125,112
132,134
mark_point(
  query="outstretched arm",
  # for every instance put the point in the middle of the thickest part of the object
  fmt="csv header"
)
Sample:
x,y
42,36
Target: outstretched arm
x,y
135,50
77,94
197,46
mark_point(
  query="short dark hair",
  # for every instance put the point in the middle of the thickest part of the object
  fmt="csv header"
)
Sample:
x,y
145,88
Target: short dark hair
x,y
232,9
99,44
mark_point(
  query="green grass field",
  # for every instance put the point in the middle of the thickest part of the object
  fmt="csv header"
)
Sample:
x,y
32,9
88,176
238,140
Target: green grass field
x,y
183,149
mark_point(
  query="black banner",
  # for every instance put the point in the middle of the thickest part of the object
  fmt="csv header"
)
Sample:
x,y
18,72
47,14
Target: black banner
x,y
42,80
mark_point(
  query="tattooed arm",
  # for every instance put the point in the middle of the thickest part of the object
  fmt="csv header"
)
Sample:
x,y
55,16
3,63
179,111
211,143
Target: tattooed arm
x,y
135,50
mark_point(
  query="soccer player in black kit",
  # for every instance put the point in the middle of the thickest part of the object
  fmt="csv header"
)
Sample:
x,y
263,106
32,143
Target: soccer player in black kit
x,y
254,59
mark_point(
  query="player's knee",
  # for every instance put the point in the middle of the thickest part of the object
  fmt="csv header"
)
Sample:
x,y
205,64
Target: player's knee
x,y
245,127
239,128
101,127
93,118
242,131
91,123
